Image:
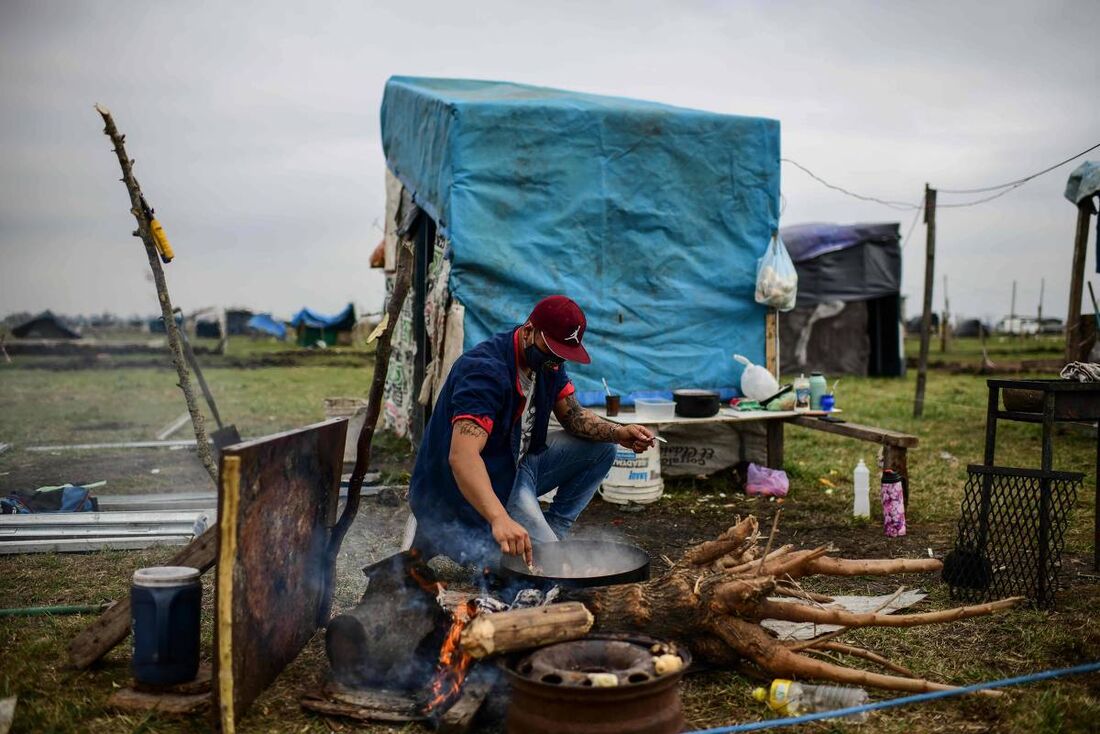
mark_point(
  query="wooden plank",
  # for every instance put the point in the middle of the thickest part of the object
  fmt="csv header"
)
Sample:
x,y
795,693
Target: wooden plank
x,y
775,444
897,458
181,444
177,704
174,426
771,342
112,627
854,430
275,524
228,507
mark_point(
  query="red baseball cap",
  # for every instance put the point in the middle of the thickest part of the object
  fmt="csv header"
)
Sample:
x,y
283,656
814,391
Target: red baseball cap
x,y
562,324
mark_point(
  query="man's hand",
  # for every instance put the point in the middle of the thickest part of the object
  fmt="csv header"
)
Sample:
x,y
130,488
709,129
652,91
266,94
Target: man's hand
x,y
513,538
634,437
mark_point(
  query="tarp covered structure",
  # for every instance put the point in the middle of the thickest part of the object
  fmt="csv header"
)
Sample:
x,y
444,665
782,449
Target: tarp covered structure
x,y
44,326
846,319
313,327
651,217
263,323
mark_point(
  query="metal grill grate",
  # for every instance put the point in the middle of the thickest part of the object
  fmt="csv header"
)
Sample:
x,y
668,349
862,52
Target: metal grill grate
x,y
1011,534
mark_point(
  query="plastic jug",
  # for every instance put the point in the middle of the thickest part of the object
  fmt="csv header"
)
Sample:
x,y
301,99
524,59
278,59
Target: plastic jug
x,y
165,602
861,481
756,382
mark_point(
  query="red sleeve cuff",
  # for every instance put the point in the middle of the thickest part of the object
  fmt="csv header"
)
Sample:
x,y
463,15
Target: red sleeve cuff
x,y
482,420
567,390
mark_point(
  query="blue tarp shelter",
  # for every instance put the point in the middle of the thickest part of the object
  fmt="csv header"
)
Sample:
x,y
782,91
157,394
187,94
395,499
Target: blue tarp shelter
x,y
312,327
263,323
651,217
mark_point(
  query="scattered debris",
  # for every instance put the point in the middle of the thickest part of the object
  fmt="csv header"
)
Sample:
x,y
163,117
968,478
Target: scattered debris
x,y
174,426
124,445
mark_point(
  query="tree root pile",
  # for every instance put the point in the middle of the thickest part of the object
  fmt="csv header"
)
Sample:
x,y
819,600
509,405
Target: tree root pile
x,y
716,596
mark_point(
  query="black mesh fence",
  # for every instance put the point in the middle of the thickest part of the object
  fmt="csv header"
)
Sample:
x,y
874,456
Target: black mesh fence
x,y
1011,534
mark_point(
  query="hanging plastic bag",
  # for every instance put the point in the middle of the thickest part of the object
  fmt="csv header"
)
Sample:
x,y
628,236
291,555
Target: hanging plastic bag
x,y
776,278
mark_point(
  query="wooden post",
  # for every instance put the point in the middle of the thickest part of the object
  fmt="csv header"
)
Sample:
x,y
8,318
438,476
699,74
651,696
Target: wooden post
x,y
944,317
926,318
771,342
1042,288
1076,280
144,231
1013,326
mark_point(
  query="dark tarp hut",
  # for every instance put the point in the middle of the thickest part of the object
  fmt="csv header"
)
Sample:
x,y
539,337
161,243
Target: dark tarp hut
x,y
847,319
236,320
312,327
651,217
44,326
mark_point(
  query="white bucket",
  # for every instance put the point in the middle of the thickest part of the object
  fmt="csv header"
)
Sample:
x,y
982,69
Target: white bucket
x,y
634,477
356,410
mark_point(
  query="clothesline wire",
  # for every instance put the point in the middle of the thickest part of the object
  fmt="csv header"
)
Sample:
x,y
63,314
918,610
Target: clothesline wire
x,y
1019,181
897,205
1001,189
912,226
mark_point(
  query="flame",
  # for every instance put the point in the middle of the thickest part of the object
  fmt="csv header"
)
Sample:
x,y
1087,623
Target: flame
x,y
454,661
435,588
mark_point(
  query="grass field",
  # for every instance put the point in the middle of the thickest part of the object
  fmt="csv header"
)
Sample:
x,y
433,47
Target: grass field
x,y
39,406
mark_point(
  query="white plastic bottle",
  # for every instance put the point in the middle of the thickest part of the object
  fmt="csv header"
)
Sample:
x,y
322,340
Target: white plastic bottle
x,y
788,698
861,480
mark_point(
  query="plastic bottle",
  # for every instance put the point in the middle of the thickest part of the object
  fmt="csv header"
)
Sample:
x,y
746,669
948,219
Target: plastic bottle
x,y
861,480
802,394
893,504
818,387
788,698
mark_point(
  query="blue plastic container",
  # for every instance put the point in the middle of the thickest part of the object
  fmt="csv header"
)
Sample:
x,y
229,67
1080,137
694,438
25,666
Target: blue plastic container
x,y
165,603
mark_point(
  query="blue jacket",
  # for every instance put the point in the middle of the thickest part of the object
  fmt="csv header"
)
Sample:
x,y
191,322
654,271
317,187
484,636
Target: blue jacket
x,y
483,386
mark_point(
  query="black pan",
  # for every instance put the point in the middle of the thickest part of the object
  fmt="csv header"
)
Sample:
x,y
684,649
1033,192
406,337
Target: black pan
x,y
579,564
696,403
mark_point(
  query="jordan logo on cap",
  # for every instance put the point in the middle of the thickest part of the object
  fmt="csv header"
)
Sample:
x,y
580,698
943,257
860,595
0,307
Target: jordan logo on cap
x,y
575,335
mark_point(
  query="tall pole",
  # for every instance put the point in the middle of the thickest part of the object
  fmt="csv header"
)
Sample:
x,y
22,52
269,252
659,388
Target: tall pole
x,y
1077,278
1042,287
1012,326
929,275
944,318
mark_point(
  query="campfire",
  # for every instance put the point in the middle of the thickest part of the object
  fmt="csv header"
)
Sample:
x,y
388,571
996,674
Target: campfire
x,y
454,661
411,649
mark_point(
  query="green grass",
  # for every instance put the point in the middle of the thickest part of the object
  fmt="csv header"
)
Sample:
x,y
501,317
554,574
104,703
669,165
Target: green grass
x,y
1000,348
43,406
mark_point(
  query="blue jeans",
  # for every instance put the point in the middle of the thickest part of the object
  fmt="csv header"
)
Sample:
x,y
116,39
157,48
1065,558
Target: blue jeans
x,y
575,466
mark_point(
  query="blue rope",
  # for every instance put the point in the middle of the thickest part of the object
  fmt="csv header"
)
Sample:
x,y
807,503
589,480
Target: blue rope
x,y
918,698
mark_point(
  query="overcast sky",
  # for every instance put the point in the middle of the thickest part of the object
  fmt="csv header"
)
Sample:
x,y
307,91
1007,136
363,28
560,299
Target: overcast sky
x,y
255,128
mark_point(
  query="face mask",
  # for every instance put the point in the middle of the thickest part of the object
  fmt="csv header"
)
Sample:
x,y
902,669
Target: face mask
x,y
539,360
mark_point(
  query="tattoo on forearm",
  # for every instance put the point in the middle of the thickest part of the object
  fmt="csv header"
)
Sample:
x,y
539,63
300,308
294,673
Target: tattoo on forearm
x,y
469,428
586,424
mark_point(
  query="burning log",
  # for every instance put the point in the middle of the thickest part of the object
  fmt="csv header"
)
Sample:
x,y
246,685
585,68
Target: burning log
x,y
715,597
522,629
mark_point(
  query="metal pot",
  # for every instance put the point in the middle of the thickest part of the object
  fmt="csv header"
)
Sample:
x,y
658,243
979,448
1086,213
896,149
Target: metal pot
x,y
579,564
692,403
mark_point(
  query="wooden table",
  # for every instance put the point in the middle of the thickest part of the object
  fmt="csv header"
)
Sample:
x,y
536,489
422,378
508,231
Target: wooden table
x,y
895,445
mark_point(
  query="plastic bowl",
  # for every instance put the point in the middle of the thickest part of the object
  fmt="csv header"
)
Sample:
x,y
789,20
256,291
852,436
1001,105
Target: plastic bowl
x,y
654,409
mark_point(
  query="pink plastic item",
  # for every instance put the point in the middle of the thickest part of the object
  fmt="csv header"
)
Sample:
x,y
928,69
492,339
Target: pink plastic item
x,y
765,482
893,505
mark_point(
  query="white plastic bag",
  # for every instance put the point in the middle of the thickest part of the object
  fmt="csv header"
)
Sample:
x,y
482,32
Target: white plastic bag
x,y
776,278
756,382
